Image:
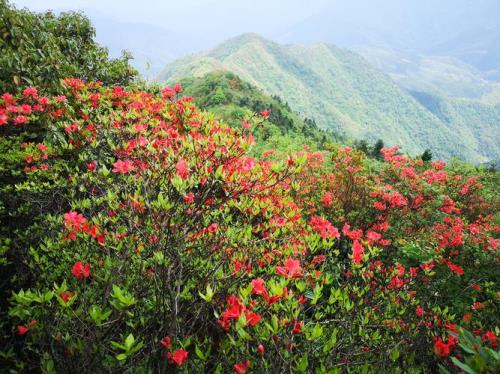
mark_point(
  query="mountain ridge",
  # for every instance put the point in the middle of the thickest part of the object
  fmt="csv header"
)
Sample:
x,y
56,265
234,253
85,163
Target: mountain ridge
x,y
336,87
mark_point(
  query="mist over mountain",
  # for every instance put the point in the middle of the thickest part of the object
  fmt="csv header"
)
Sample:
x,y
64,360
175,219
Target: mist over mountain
x,y
158,32
467,30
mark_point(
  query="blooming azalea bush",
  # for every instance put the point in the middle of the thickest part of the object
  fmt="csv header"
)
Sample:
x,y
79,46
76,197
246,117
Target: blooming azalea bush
x,y
159,244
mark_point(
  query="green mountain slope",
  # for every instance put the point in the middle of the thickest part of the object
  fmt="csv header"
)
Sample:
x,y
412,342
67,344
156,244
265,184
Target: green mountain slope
x,y
337,88
233,100
446,76
472,119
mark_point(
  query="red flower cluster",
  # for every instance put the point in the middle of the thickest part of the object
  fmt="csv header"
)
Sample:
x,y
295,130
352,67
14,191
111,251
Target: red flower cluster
x,y
242,367
234,311
178,357
323,227
265,113
182,169
123,166
21,330
81,271
357,252
291,269
444,348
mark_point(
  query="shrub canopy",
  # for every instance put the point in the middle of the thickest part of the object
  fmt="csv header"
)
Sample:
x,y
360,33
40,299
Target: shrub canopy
x,y
158,243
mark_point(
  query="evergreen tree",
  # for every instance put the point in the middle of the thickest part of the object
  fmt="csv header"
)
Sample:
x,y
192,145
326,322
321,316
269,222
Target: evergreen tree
x,y
377,147
362,146
426,156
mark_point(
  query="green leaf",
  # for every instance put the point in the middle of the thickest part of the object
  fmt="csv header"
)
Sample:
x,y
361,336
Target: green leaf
x,y
394,354
199,353
331,342
121,356
303,364
463,366
129,341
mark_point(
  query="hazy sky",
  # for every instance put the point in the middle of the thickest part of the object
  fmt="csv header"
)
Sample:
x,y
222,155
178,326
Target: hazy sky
x,y
238,15
157,31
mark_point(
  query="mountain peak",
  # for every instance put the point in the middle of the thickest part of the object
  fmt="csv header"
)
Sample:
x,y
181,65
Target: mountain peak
x,y
340,90
249,36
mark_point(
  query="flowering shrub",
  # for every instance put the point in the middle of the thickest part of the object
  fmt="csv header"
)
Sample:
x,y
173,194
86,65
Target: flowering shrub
x,y
159,244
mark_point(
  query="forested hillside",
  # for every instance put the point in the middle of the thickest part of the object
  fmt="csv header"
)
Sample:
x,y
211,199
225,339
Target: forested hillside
x,y
341,91
234,101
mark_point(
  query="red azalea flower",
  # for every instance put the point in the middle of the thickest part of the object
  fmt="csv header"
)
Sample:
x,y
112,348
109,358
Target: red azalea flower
x,y
419,311
166,342
123,167
91,166
490,336
189,198
248,164
259,287
323,227
357,252
65,296
291,269
241,367
167,93
373,236
81,271
396,282
3,119
212,228
182,169
477,306
177,88
20,120
30,92
74,222
253,318
21,330
180,357
261,349
297,327
265,113
441,348
352,234
455,268
327,199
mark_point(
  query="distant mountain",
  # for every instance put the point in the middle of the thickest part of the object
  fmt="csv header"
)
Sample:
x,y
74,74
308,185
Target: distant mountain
x,y
442,75
464,29
343,92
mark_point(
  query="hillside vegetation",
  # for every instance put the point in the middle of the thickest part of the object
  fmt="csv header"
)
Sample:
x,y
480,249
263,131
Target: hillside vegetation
x,y
440,75
235,101
141,234
341,91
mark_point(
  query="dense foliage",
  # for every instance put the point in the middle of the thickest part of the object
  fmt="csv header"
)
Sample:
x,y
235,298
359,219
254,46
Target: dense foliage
x,y
42,48
38,49
159,244
233,100
140,234
343,92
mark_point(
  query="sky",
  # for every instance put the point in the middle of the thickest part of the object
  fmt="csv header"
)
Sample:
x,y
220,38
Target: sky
x,y
158,31
167,29
262,16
